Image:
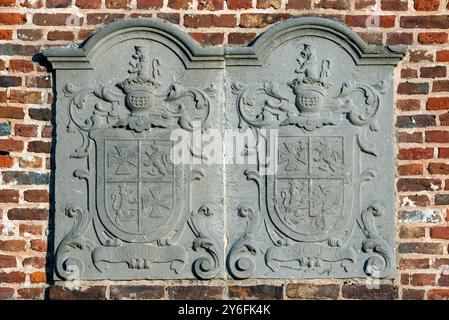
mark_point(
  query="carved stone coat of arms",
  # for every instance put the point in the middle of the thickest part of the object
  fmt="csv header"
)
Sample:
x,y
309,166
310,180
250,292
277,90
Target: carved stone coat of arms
x,y
318,202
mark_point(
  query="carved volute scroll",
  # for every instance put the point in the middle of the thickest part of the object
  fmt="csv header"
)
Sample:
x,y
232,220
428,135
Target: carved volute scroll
x,y
126,210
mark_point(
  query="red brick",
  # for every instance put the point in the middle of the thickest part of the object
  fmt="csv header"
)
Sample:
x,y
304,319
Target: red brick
x,y
259,292
39,245
439,232
413,88
88,4
438,168
35,4
296,4
10,81
438,294
6,34
413,169
7,3
6,293
28,214
245,4
241,38
432,37
444,119
137,292
394,5
210,5
333,4
12,18
440,86
6,162
418,184
149,4
443,281
38,81
86,293
9,196
118,4
312,291
38,277
433,72
422,279
425,22
416,121
412,137
31,293
195,292
426,5
47,132
36,196
11,113
12,277
57,3
415,153
21,65
443,56
25,130
103,18
11,145
7,261
209,20
443,153
372,37
438,103
179,4
414,264
361,291
40,114
437,136
208,39
364,4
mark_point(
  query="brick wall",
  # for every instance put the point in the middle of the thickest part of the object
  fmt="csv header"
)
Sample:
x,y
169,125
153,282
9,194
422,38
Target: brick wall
x,y
422,103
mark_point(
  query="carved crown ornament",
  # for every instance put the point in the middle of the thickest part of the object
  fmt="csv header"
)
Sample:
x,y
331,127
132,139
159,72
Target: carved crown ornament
x,y
125,210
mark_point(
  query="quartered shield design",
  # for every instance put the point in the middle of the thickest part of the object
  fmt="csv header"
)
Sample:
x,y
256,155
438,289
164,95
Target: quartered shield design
x,y
139,190
310,197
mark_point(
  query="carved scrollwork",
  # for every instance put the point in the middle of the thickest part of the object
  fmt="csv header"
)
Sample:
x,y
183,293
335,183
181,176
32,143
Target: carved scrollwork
x,y
67,265
240,265
208,266
378,265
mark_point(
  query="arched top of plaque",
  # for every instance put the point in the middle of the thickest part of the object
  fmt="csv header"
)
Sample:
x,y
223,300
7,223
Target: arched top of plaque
x,y
284,31
86,54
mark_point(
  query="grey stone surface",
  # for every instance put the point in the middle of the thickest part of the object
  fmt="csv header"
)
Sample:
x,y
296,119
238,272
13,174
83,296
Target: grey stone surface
x,y
126,210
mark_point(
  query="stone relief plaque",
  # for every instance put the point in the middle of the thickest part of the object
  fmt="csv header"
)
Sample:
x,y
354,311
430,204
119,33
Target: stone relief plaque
x,y
314,101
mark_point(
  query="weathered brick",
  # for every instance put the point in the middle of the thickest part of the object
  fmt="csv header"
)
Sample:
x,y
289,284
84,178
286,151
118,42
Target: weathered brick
x,y
5,129
39,147
312,291
418,184
9,196
19,65
425,22
333,4
40,114
60,35
433,72
409,73
169,16
90,293
443,281
294,4
179,4
240,37
35,262
38,81
440,86
409,232
7,261
210,5
265,4
259,292
195,292
413,88
26,178
39,245
11,113
25,130
28,214
408,104
380,292
409,137
136,292
417,200
395,38
11,49
26,97
36,196
422,279
413,294
414,263
260,20
56,19
31,293
26,230
209,38
11,145
416,121
366,21
103,18
418,247
12,277
149,4
209,20
438,294
30,162
88,4
10,81
29,34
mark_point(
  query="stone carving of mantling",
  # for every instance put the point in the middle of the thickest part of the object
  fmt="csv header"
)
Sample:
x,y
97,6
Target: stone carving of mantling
x,y
309,107
138,104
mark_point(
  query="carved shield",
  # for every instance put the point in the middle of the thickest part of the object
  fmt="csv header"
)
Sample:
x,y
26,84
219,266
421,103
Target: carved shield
x,y
310,197
137,197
